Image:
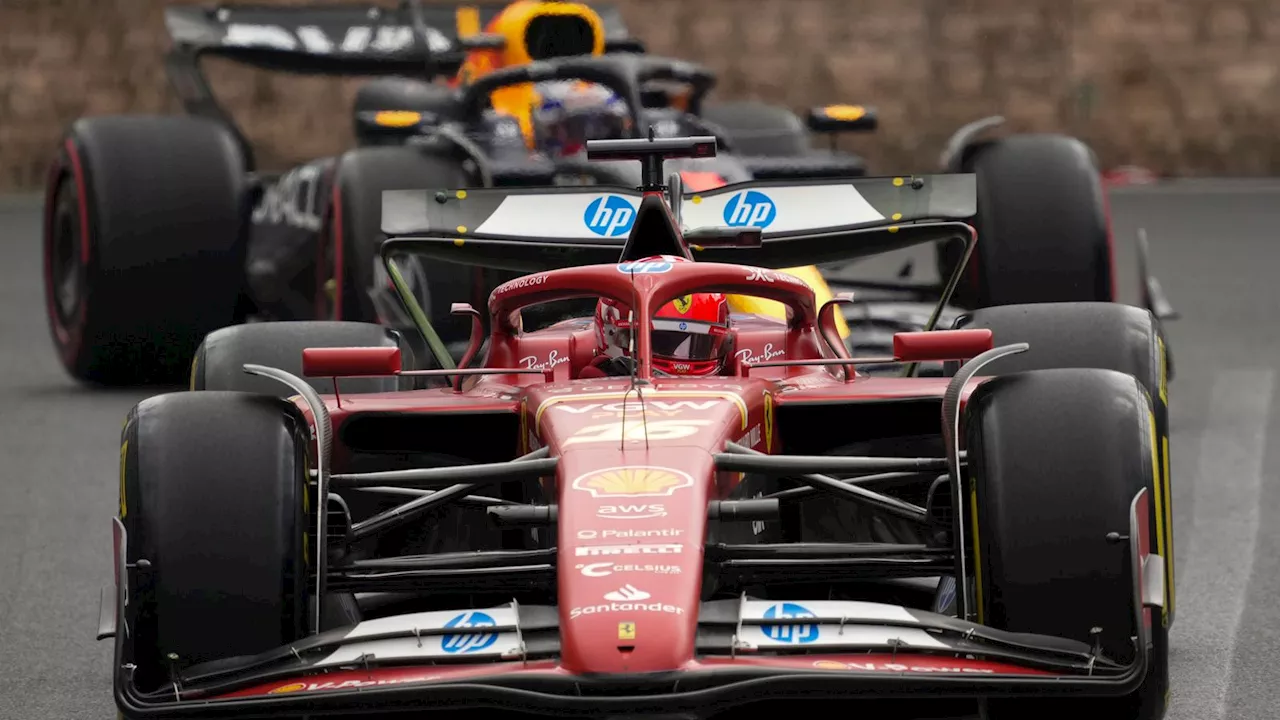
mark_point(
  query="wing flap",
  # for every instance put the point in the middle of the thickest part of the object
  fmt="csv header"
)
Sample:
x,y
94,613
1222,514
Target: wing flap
x,y
804,222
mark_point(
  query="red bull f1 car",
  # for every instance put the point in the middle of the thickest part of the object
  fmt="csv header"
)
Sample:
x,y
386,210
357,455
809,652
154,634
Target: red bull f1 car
x,y
162,229
315,529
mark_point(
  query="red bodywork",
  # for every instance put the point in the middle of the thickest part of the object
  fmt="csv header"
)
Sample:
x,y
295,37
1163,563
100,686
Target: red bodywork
x,y
636,470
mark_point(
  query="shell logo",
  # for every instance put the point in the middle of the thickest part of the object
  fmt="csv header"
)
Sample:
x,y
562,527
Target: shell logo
x,y
292,687
633,481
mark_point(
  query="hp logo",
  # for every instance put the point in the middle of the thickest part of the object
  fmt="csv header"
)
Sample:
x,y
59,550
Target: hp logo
x,y
750,209
610,216
793,634
464,643
644,267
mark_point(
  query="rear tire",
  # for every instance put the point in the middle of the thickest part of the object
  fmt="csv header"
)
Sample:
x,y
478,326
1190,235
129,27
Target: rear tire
x,y
361,177
1043,228
219,361
1056,458
143,251
213,496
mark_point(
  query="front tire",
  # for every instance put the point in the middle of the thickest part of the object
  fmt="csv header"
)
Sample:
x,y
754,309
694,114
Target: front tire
x,y
1105,336
220,359
213,495
1055,460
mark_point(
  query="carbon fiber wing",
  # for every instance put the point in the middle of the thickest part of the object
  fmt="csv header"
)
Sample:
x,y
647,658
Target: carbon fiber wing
x,y
803,222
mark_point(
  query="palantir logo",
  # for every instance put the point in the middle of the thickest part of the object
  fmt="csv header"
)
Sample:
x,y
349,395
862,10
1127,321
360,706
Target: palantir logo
x,y
464,643
610,216
750,209
793,634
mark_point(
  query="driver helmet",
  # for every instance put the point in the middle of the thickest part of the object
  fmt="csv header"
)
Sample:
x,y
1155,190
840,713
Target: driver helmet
x,y
571,112
690,334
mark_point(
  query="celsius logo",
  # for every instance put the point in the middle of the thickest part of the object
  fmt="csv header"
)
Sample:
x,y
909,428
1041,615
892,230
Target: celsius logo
x,y
750,209
790,633
609,216
469,642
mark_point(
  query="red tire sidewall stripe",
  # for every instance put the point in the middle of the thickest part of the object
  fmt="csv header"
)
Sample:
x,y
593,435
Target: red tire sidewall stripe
x,y
69,339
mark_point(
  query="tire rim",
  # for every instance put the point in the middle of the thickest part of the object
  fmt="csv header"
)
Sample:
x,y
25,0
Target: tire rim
x,y
66,270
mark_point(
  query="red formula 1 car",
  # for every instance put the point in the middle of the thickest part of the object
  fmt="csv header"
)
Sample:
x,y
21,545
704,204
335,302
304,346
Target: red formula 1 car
x,y
660,510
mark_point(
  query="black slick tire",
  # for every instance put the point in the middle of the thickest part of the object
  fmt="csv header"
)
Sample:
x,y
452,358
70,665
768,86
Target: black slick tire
x,y
1055,460
143,244
1106,336
213,498
1043,225
219,361
362,176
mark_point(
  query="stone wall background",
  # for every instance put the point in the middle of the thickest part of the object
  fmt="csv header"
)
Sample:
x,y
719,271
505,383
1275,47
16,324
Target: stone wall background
x,y
1185,87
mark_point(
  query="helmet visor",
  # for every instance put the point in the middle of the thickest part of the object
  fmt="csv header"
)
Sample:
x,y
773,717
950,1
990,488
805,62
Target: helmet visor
x,y
686,340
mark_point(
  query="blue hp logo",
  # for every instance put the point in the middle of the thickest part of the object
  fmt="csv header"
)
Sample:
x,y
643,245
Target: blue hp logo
x,y
793,634
469,642
610,216
644,267
750,209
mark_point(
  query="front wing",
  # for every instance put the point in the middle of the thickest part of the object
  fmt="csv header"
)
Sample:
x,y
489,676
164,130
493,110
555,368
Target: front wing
x,y
505,658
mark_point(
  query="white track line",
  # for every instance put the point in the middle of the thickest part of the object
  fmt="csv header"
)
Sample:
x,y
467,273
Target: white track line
x,y
1211,585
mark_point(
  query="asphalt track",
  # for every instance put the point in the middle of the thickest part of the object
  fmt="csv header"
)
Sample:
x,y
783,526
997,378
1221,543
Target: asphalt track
x,y
1214,247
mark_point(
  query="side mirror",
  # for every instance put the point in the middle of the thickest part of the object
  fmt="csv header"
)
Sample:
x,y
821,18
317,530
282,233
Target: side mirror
x,y
351,361
843,118
477,338
831,332
939,345
395,123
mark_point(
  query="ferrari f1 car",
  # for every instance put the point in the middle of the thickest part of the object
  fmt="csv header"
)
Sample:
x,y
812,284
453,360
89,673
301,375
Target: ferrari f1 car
x,y
162,229
317,530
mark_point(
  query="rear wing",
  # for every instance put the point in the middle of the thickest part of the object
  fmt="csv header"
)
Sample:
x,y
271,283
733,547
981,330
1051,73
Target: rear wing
x,y
802,222
338,40
351,39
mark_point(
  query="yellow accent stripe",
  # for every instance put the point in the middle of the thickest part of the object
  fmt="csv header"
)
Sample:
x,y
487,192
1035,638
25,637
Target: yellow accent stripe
x,y
124,452
977,552
306,508
631,395
1164,373
1160,509
1168,528
194,360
